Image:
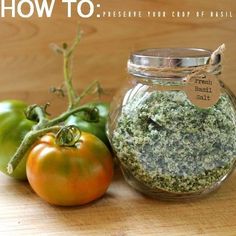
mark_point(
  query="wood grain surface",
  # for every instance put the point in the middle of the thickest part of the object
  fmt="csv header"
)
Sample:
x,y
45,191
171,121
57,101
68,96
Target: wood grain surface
x,y
27,63
121,212
28,68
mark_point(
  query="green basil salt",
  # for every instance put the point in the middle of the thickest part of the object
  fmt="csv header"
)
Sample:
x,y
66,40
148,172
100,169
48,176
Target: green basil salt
x,y
169,144
173,126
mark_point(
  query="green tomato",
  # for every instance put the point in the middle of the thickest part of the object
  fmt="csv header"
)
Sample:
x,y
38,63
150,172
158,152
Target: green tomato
x,y
98,127
13,128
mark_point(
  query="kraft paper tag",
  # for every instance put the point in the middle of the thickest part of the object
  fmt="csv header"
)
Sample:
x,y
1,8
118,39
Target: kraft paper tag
x,y
203,92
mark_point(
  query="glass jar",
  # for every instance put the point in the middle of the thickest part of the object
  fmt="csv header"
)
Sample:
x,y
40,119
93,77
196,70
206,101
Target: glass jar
x,y
167,146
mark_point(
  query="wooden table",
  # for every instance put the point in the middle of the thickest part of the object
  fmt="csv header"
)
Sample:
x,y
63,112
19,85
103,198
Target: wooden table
x,y
121,212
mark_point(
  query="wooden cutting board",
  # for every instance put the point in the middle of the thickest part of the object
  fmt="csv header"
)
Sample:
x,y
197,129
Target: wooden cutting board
x,y
121,212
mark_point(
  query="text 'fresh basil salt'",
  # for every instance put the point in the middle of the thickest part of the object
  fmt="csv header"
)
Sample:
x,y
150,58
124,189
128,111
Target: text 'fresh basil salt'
x,y
173,125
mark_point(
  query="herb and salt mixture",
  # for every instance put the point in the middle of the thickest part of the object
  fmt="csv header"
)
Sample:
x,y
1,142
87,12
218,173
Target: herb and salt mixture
x,y
171,145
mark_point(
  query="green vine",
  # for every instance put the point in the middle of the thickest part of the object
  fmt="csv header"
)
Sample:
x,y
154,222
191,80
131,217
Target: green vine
x,y
66,135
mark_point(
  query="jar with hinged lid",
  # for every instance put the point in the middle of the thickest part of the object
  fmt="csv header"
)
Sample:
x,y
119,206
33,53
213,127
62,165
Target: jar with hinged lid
x,y
172,126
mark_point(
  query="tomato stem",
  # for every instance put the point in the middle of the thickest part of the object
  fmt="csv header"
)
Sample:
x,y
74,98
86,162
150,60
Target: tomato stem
x,y
91,89
67,55
68,82
65,115
28,141
73,98
44,126
68,52
38,113
68,136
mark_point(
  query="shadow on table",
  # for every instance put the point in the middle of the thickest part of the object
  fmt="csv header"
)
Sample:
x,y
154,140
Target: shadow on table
x,y
123,211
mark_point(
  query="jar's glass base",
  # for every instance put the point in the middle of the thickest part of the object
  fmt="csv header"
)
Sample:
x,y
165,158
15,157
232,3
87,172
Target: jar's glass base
x,y
164,195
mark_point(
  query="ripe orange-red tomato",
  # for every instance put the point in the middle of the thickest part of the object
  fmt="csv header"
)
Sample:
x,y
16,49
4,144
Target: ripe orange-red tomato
x,y
69,176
